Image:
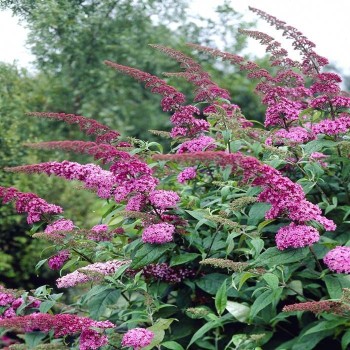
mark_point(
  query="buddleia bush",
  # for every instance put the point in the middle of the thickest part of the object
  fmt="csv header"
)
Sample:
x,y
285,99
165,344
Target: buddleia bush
x,y
235,239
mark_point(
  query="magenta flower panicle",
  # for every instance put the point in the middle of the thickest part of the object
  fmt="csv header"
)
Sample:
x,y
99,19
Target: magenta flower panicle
x,y
163,199
100,151
93,176
338,259
172,98
63,225
166,273
89,126
296,236
202,143
287,198
62,325
90,273
58,260
158,233
137,338
206,90
312,62
187,175
100,233
29,203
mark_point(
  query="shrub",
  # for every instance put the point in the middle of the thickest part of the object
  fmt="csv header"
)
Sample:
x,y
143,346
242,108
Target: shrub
x,y
219,244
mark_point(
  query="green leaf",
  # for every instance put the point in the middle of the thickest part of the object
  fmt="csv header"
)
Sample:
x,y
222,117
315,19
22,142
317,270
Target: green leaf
x,y
159,331
258,245
296,286
40,263
335,284
323,326
238,310
262,301
172,345
221,298
33,339
271,279
265,223
99,303
257,213
317,145
306,184
183,258
45,306
199,215
201,331
345,340
163,323
244,277
210,283
274,256
149,253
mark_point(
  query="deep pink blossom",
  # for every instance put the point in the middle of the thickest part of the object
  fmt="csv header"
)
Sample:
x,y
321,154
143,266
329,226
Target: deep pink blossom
x,y
29,203
61,325
287,198
315,307
137,338
163,199
319,158
172,98
186,175
185,123
99,233
60,225
136,203
93,176
294,135
296,236
6,298
283,111
332,127
338,259
58,260
91,339
166,273
202,143
158,233
90,126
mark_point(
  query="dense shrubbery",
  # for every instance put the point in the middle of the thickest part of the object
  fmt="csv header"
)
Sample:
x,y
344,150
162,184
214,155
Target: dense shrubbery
x,y
219,244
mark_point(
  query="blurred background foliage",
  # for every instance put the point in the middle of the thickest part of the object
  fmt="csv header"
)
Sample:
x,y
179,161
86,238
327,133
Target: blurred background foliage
x,y
70,39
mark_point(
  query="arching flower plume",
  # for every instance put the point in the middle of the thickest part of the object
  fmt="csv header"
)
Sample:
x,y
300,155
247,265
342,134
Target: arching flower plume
x,y
92,336
172,98
93,176
89,126
93,272
287,198
206,90
100,151
29,203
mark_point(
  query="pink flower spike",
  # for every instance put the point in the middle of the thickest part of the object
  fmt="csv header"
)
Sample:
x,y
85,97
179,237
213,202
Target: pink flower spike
x,y
164,199
158,233
338,259
58,260
296,236
60,225
186,175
